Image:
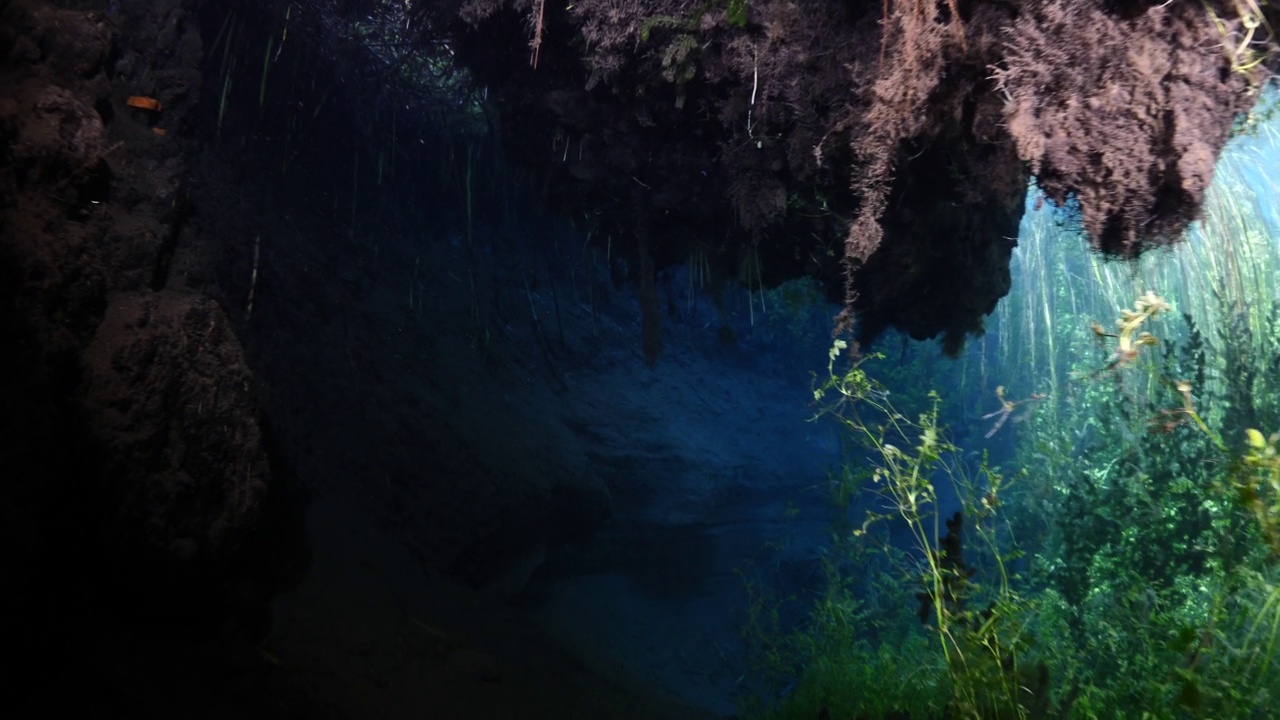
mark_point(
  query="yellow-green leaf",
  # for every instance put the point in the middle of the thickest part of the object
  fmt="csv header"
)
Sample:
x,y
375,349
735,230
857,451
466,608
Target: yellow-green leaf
x,y
1255,439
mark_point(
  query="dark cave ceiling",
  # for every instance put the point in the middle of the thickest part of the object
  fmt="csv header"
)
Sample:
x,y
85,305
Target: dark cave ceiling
x,y
883,148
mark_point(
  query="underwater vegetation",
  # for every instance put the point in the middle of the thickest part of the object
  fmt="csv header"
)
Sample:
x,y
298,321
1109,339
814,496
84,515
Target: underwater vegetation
x,y
1083,520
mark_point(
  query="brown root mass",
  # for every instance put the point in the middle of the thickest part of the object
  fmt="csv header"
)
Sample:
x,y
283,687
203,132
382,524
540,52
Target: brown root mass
x,y
883,147
1124,114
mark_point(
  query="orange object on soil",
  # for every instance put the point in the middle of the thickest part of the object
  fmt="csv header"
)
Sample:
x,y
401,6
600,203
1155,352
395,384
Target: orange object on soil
x,y
146,103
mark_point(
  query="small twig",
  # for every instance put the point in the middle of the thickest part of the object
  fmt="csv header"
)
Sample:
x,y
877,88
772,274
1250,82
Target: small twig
x,y
536,43
1006,409
253,279
542,338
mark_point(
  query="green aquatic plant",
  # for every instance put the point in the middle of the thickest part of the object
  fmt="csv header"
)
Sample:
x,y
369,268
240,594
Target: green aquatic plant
x,y
845,660
977,626
1247,39
1154,574
1257,484
1151,514
1154,592
1130,338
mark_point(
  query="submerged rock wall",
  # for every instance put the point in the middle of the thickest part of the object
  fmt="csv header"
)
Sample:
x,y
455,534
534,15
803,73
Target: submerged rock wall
x,y
135,466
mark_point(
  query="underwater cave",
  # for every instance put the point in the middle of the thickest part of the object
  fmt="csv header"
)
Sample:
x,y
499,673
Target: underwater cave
x,y
760,359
